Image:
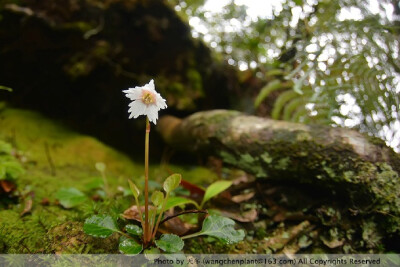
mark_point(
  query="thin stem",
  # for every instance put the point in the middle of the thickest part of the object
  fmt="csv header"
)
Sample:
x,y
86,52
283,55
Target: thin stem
x,y
153,220
105,183
147,234
140,212
192,235
182,213
159,216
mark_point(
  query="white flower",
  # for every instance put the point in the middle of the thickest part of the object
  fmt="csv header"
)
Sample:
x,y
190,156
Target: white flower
x,y
145,101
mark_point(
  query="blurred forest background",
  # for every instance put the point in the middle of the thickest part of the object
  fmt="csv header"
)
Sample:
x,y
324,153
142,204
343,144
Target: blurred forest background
x,y
324,62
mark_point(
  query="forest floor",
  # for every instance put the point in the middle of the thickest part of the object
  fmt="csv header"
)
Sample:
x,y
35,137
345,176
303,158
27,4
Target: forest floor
x,y
277,218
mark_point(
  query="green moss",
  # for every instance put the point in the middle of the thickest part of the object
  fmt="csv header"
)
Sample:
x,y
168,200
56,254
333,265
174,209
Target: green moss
x,y
196,81
266,157
282,163
52,229
70,238
228,158
73,157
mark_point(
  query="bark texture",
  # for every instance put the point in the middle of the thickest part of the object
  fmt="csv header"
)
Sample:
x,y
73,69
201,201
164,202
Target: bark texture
x,y
361,168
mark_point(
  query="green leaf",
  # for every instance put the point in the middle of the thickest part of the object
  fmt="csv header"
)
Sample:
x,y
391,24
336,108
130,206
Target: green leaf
x,y
2,87
134,189
129,246
100,226
152,253
95,183
100,166
266,90
214,189
221,228
177,201
5,148
70,197
170,243
172,182
13,169
2,172
134,230
157,198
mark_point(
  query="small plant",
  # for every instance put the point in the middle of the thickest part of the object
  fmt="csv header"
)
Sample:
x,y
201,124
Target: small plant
x,y
134,239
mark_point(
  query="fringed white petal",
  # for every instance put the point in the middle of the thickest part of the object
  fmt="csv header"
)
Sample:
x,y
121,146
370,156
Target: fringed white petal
x,y
137,107
152,113
134,94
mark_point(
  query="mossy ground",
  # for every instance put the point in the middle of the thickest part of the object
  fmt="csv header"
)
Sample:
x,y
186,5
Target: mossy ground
x,y
289,218
55,157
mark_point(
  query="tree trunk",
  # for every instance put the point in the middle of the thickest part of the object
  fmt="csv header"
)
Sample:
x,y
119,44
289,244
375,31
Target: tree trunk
x,y
362,168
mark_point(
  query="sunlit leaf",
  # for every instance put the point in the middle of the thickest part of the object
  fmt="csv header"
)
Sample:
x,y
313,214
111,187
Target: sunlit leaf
x,y
100,226
152,253
172,182
170,243
134,229
214,189
134,189
221,228
5,148
70,197
2,87
94,184
129,246
157,198
177,201
100,166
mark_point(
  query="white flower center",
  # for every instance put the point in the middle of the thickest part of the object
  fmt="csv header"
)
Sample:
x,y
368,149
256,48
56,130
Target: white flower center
x,y
148,97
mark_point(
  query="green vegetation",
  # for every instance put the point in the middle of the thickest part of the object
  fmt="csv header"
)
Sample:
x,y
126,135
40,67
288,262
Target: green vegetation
x,y
315,62
50,175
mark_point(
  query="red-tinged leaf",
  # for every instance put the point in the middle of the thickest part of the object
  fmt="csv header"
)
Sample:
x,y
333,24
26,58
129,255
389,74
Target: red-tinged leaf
x,y
7,186
194,189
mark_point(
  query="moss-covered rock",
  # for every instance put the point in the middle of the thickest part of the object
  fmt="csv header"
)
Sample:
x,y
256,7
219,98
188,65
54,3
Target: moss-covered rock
x,y
345,162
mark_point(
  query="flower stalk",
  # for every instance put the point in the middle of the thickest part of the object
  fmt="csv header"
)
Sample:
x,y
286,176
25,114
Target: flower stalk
x,y
147,234
145,101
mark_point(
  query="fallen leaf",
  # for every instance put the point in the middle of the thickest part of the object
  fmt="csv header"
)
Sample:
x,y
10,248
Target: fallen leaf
x,y
133,213
332,243
284,237
280,216
175,226
241,177
248,216
28,207
7,186
271,191
243,197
